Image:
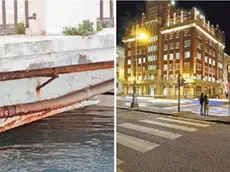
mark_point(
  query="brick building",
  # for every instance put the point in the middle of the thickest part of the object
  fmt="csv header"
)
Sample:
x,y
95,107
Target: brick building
x,y
179,41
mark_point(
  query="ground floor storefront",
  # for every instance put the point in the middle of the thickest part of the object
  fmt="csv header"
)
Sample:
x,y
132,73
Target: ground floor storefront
x,y
193,90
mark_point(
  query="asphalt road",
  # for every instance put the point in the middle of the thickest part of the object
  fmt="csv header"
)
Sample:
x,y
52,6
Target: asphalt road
x,y
158,143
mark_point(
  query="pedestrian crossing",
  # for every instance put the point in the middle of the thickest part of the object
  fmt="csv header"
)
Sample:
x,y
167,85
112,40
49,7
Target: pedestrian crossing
x,y
171,128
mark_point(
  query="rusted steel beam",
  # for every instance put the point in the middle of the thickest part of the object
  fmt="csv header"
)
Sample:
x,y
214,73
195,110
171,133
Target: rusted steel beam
x,y
101,10
56,103
45,83
50,72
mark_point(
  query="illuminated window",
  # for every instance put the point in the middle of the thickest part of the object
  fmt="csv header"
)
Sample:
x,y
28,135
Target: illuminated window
x,y
187,54
129,53
177,45
129,61
150,58
187,65
187,43
206,59
198,77
187,32
171,77
177,66
213,62
177,34
129,44
152,67
165,67
139,78
220,65
166,47
171,56
166,57
198,66
139,61
171,36
177,55
171,46
198,56
210,61
129,70
144,60
199,45
154,58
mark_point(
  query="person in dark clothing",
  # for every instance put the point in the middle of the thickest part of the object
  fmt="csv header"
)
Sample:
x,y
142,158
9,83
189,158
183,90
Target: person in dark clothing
x,y
206,105
201,99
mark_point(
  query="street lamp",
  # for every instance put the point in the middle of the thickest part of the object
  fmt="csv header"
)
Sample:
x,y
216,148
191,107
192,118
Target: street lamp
x,y
141,36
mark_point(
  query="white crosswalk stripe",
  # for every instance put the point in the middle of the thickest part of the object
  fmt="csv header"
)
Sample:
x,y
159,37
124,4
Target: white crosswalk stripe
x,y
178,127
183,122
152,131
135,143
143,146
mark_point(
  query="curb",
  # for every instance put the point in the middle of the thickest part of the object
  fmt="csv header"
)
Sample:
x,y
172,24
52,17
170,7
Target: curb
x,y
175,115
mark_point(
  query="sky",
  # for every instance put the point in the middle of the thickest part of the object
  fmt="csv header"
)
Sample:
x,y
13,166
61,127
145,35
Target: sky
x,y
217,12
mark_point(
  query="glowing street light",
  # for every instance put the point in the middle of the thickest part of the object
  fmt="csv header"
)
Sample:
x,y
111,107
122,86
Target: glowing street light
x,y
172,2
143,36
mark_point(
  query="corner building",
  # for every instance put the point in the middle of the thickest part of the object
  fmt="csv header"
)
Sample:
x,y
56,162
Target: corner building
x,y
179,41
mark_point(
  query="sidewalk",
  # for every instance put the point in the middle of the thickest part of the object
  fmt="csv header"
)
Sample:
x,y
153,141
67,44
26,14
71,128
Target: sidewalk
x,y
184,114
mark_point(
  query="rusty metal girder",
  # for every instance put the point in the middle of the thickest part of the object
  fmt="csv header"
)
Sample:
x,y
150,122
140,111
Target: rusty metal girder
x,y
51,72
57,103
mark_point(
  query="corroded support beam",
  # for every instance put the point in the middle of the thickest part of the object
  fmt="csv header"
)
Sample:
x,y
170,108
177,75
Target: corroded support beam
x,y
51,72
56,103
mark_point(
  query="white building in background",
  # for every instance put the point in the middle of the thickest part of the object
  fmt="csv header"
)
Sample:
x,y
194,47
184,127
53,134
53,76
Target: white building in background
x,y
53,15
120,56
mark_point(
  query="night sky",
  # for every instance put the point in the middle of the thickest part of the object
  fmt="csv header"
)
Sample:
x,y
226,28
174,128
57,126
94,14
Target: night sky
x,y
214,11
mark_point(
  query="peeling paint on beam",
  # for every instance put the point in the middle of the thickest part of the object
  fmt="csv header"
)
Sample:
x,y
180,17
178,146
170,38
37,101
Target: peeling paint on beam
x,y
50,72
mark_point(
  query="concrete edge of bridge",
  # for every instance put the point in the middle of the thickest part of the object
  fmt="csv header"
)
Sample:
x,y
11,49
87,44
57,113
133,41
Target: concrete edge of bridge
x,y
220,120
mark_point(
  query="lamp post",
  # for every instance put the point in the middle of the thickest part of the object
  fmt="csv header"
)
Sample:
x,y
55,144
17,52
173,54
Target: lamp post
x,y
138,35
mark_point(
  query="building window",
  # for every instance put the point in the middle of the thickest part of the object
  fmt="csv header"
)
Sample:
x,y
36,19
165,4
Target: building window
x,y
154,58
166,37
177,55
155,48
187,65
129,78
210,61
155,38
177,34
139,78
171,56
198,56
177,45
213,62
165,46
187,32
220,65
165,77
129,62
199,45
206,59
171,46
152,67
144,60
198,77
139,61
170,66
129,45
166,57
150,58
129,70
177,66
213,79
187,43
150,77
171,36
129,53
171,77
209,79
165,67
198,66
187,54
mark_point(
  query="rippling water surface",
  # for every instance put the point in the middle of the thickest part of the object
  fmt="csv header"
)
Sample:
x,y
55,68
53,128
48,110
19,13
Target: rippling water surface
x,y
79,140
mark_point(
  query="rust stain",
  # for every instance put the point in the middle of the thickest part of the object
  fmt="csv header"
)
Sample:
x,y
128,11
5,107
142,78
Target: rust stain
x,y
83,59
34,117
38,94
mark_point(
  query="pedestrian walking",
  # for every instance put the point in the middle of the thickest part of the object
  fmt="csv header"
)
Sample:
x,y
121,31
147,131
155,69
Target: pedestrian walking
x,y
201,99
206,105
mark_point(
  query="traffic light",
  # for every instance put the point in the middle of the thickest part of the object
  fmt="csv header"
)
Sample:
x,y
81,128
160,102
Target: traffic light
x,y
182,81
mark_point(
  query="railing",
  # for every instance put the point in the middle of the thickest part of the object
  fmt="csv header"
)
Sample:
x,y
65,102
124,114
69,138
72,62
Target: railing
x,y
106,20
10,14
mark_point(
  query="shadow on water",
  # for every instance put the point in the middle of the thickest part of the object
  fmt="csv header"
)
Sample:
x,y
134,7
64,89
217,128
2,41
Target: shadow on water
x,y
78,140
